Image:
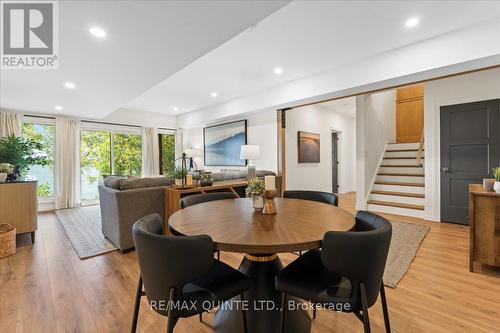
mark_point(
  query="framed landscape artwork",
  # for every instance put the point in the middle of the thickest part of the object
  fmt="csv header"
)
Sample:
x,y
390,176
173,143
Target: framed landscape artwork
x,y
308,147
223,142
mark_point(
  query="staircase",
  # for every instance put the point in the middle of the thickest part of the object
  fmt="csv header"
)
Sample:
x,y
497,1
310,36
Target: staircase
x,y
399,185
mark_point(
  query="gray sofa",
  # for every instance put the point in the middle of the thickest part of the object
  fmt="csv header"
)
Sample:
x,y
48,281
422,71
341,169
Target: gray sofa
x,y
125,201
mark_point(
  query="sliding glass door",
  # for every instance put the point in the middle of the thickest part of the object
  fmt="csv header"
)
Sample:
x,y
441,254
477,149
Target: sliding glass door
x,y
95,162
127,154
42,131
104,153
167,153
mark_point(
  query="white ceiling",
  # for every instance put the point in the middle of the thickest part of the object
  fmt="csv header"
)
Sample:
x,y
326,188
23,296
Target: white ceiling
x,y
345,106
305,38
147,41
164,54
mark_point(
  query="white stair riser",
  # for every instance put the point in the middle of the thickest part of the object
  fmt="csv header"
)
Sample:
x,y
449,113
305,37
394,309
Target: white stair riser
x,y
392,146
401,179
398,199
401,154
401,162
415,170
396,210
397,188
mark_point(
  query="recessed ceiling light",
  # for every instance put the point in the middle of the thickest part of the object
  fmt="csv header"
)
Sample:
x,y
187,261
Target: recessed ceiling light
x,y
412,22
176,108
98,32
278,70
58,107
213,94
70,85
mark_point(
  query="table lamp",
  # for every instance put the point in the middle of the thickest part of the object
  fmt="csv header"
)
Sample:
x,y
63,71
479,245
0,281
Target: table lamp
x,y
250,153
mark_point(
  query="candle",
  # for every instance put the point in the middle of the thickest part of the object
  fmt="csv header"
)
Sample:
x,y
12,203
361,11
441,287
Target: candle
x,y
270,182
189,180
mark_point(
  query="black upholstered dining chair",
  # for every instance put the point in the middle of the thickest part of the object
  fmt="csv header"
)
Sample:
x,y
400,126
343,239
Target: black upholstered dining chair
x,y
181,270
206,197
346,274
324,197
318,196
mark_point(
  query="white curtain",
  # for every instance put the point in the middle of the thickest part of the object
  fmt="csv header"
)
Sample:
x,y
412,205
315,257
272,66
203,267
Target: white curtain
x,y
11,124
67,163
150,152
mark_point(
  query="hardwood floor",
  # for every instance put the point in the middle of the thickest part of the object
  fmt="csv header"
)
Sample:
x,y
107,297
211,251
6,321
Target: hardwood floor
x,y
47,288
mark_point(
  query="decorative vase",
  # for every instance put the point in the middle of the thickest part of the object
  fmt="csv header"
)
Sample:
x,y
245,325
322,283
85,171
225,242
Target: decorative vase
x,y
258,203
178,182
496,186
269,205
3,177
488,184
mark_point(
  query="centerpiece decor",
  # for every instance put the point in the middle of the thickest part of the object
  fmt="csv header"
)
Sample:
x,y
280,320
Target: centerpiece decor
x,y
270,193
255,191
496,175
181,174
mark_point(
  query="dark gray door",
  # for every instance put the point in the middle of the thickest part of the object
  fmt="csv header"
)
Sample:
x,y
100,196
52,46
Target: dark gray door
x,y
335,163
470,148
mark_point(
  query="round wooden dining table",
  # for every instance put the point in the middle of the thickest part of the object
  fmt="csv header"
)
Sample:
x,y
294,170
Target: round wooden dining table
x,y
234,226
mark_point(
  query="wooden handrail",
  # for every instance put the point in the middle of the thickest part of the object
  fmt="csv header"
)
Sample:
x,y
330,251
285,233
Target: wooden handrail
x,y
420,149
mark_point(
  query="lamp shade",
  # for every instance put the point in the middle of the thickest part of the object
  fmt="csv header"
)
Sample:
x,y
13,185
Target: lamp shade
x,y
250,152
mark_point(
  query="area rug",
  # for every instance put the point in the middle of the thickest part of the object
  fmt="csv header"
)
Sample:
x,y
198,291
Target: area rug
x,y
83,227
406,239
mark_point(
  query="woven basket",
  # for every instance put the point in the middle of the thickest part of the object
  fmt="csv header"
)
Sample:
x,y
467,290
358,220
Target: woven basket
x,y
7,240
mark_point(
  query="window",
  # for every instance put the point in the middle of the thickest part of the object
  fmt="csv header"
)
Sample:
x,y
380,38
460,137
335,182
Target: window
x,y
95,162
104,153
127,154
167,153
44,134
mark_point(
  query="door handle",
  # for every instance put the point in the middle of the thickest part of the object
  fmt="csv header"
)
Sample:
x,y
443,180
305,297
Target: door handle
x,y
445,169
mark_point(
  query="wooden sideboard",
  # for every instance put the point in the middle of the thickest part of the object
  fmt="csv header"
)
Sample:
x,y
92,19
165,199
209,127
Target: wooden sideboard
x,y
484,223
18,206
173,195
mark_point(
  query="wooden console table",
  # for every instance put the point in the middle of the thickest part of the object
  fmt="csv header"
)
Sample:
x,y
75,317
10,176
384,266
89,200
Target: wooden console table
x,y
18,206
173,195
484,223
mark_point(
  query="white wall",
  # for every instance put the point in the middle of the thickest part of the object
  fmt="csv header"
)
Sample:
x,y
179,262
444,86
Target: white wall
x,y
261,130
376,126
318,176
466,88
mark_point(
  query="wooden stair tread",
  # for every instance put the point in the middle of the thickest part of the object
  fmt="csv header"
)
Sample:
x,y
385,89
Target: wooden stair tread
x,y
399,184
395,204
401,174
402,166
401,150
399,194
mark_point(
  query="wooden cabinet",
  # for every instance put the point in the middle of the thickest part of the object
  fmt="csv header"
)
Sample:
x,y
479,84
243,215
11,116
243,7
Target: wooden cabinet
x,y
18,206
484,223
409,113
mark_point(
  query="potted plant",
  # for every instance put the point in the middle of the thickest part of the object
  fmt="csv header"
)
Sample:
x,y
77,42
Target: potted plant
x,y
496,175
179,175
254,190
22,153
206,179
5,170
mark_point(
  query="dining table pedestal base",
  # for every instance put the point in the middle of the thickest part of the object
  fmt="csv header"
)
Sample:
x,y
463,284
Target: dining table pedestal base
x,y
262,302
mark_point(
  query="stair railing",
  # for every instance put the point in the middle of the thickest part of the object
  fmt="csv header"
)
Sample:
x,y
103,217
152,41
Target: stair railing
x,y
420,149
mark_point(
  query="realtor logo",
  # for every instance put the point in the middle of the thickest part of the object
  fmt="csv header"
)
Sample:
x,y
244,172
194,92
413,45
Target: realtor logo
x,y
29,35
